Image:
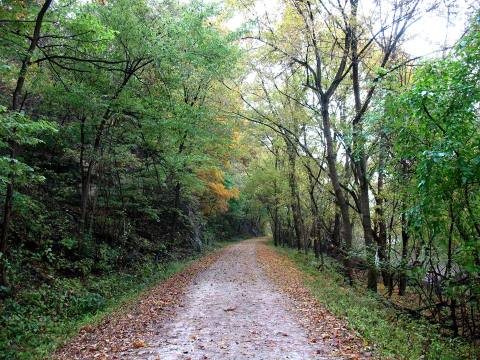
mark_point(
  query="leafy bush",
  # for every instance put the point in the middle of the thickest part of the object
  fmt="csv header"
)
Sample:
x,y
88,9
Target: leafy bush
x,y
393,335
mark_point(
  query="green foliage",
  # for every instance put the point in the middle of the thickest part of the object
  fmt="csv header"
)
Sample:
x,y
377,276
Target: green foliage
x,y
434,125
18,129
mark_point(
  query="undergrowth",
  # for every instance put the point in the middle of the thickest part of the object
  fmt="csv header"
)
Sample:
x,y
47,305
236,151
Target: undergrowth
x,y
41,318
391,334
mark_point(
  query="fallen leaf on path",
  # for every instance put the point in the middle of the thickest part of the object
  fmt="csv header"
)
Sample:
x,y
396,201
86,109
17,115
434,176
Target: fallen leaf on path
x,y
137,344
87,329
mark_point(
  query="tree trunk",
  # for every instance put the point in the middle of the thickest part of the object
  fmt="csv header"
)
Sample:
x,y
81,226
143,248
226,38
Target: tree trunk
x,y
87,177
402,287
382,226
298,223
317,246
276,218
336,241
16,105
347,233
7,211
361,162
370,244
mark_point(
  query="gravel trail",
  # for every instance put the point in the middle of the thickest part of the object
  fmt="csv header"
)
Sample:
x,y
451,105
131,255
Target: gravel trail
x,y
232,310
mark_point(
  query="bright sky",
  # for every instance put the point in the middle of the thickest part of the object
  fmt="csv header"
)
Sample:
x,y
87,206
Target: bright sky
x,y
425,38
432,32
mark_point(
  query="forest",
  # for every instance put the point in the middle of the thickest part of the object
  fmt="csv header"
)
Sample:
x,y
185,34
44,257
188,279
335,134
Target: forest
x,y
136,136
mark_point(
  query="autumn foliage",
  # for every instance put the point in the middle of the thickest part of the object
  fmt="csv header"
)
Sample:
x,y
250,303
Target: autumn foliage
x,y
216,195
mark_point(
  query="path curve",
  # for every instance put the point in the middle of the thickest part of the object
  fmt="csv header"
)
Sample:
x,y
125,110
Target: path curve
x,y
232,310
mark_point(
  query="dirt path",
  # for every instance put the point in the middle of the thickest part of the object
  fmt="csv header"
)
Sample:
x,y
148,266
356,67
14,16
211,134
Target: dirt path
x,y
232,311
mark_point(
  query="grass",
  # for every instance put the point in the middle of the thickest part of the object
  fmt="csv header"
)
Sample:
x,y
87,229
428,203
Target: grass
x,y
39,320
391,334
